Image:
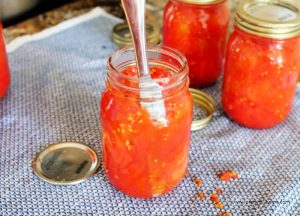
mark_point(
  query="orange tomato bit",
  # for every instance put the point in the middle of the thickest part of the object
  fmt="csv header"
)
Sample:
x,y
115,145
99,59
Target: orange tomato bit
x,y
198,182
228,175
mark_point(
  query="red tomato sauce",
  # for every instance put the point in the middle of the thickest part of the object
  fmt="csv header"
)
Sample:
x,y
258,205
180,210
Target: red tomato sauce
x,y
4,70
199,32
260,79
143,158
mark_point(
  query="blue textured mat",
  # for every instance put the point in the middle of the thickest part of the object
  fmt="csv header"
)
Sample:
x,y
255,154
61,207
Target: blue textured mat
x,y
54,96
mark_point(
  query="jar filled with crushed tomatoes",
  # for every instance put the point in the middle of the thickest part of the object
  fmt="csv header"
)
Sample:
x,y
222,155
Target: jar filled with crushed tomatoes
x,y
262,63
144,156
4,70
198,29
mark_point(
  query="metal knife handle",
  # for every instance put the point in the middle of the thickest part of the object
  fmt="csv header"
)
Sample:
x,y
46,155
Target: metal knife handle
x,y
135,14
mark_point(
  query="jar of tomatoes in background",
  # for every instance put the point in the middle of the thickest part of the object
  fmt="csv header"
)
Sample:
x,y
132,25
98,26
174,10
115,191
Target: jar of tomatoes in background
x,y
144,157
4,70
198,29
262,63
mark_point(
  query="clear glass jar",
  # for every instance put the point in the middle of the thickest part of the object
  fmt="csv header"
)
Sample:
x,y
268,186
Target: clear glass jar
x,y
198,29
142,156
4,70
262,64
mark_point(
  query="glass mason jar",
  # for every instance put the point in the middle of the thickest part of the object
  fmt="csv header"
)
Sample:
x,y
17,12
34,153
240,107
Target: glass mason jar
x,y
4,70
262,63
198,29
144,157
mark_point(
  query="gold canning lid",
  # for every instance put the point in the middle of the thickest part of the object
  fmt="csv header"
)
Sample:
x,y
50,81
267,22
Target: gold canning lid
x,y
205,102
268,18
121,34
66,163
202,2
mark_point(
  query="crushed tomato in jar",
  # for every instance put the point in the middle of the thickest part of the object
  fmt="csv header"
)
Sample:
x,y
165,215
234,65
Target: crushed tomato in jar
x,y
262,64
198,29
142,157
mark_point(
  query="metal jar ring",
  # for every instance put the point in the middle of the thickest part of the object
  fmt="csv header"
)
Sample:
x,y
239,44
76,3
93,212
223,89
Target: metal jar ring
x,y
207,103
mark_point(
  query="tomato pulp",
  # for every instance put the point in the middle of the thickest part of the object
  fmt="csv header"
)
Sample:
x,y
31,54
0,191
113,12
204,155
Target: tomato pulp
x,y
142,157
260,79
4,70
199,32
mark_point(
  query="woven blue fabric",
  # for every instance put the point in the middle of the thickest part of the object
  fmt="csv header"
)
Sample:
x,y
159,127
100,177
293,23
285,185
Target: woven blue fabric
x,y
54,96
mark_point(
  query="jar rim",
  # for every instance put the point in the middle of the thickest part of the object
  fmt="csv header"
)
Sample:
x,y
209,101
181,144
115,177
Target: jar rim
x,y
181,75
150,48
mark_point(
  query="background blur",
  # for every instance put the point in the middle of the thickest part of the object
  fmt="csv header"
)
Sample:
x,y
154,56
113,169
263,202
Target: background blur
x,y
15,11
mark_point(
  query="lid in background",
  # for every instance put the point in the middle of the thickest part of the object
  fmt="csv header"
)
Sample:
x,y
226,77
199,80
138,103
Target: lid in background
x,y
205,102
268,18
121,34
66,163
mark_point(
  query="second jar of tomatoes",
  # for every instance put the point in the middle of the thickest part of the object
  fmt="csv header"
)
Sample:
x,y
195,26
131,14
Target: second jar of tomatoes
x,y
198,29
262,63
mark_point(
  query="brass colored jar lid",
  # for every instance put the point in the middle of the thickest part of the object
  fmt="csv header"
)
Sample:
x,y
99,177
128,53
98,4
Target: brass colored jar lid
x,y
66,163
202,2
268,18
121,34
207,103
